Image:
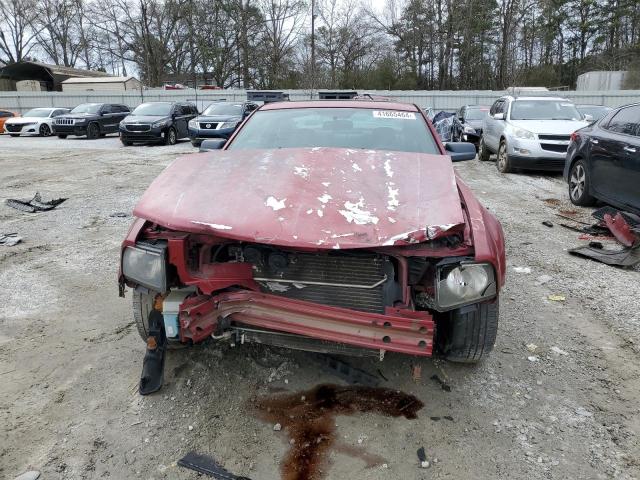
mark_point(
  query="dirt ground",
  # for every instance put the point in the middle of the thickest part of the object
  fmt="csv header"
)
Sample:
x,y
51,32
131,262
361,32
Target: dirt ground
x,y
70,357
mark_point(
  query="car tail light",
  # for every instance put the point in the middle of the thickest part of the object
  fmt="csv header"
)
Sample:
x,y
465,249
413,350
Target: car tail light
x,y
574,137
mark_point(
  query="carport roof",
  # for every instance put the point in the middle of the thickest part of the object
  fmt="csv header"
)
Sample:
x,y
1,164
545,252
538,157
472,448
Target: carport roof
x,y
53,75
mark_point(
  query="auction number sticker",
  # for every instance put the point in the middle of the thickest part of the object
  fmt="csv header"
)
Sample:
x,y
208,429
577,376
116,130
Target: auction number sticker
x,y
394,114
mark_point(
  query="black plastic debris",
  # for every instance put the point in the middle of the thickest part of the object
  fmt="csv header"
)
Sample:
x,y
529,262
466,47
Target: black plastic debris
x,y
119,215
547,223
207,466
152,375
625,258
345,371
36,204
442,383
10,239
422,455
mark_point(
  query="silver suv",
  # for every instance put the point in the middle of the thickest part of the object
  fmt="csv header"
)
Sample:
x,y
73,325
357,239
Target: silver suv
x,y
530,132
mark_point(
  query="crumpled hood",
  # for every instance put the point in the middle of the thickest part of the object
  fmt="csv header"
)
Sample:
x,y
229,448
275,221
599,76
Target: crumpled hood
x,y
308,197
550,127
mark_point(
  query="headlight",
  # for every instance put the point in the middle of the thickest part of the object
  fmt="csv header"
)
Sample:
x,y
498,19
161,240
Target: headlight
x,y
193,124
146,264
463,284
525,134
468,129
159,124
229,124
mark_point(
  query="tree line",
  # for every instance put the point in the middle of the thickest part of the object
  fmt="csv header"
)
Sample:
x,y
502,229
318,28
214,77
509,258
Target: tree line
x,y
405,44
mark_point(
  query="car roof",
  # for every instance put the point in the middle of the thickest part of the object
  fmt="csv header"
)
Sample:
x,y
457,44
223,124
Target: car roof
x,y
560,99
363,104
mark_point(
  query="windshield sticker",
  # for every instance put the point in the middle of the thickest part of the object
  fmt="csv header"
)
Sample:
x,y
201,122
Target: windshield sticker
x,y
392,114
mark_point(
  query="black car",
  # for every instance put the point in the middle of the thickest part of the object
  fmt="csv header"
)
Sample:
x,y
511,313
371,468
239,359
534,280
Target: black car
x,y
470,127
91,119
157,122
603,161
219,120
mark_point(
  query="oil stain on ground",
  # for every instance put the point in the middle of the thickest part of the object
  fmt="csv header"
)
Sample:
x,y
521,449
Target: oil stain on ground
x,y
309,420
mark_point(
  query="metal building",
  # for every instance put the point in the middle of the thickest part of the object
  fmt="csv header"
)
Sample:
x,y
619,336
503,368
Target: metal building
x,y
49,77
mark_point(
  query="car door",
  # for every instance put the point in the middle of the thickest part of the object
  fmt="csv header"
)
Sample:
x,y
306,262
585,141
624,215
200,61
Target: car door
x,y
613,151
106,119
490,125
120,113
180,120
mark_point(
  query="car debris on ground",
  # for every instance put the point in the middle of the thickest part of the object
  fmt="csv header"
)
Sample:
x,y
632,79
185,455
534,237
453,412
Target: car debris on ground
x,y
207,466
10,239
36,204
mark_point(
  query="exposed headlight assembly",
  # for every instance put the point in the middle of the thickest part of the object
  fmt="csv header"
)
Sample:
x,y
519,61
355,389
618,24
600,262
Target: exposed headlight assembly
x,y
146,264
524,134
462,284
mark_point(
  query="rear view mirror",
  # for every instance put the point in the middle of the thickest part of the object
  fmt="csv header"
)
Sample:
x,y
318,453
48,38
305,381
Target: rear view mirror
x,y
499,116
460,151
214,144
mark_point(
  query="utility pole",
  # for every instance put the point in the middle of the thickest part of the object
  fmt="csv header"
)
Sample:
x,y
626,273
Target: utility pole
x,y
313,45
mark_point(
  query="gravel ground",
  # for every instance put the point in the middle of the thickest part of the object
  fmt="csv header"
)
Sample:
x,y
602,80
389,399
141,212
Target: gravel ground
x,y
558,398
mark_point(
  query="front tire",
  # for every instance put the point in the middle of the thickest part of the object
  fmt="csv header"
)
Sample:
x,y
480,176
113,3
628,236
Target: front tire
x,y
579,185
14,134
504,162
483,152
170,138
469,334
44,130
93,131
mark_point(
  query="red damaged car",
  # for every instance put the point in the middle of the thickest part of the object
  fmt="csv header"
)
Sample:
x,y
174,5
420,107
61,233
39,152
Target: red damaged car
x,y
331,226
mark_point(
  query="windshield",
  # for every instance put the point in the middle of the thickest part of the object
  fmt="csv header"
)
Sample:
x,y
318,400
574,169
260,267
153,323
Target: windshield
x,y
596,111
476,113
38,112
87,108
234,109
356,128
153,109
544,110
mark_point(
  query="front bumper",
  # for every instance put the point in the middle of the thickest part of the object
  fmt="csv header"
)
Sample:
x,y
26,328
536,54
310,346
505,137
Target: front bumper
x,y
548,155
21,129
397,330
152,135
78,130
199,134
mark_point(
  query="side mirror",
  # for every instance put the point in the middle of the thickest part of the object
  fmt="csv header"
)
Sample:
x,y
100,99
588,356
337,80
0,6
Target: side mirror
x,y
498,116
460,151
214,144
588,118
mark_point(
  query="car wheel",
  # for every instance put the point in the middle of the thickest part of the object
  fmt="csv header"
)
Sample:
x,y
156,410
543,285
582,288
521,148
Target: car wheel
x,y
468,335
483,151
93,131
126,143
170,138
44,130
142,307
579,185
503,163
62,136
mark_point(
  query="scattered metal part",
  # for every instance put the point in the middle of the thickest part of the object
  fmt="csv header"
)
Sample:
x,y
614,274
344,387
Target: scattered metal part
x,y
573,219
416,372
382,375
36,204
547,223
631,219
119,214
350,374
10,239
153,363
442,383
626,258
208,466
621,229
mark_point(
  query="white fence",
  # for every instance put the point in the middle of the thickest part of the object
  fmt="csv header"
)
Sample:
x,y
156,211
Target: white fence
x,y
440,100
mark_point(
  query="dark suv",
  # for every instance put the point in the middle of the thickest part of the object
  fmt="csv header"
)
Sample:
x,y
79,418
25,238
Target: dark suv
x,y
156,122
219,120
91,119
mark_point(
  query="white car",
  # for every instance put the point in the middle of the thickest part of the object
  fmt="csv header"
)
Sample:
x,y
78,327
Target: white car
x,y
37,121
530,132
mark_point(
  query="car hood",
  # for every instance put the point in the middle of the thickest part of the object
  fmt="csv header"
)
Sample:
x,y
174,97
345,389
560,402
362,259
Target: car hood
x,y
554,127
219,118
23,120
77,115
144,118
308,197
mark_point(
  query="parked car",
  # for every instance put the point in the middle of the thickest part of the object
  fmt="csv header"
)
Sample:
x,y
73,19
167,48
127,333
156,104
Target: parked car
x,y
37,121
4,116
91,119
340,223
594,112
603,161
155,122
529,132
471,118
219,120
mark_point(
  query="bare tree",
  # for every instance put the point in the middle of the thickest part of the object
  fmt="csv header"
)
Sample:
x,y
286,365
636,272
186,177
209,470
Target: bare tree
x,y
17,34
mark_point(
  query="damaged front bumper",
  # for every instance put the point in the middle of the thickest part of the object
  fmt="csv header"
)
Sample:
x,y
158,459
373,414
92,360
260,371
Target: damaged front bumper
x,y
397,330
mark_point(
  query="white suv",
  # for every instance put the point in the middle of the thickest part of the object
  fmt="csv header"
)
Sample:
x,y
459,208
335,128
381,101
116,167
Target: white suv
x,y
530,132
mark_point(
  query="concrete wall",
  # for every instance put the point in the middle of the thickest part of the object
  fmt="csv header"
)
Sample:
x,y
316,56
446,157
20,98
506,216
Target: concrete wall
x,y
440,100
